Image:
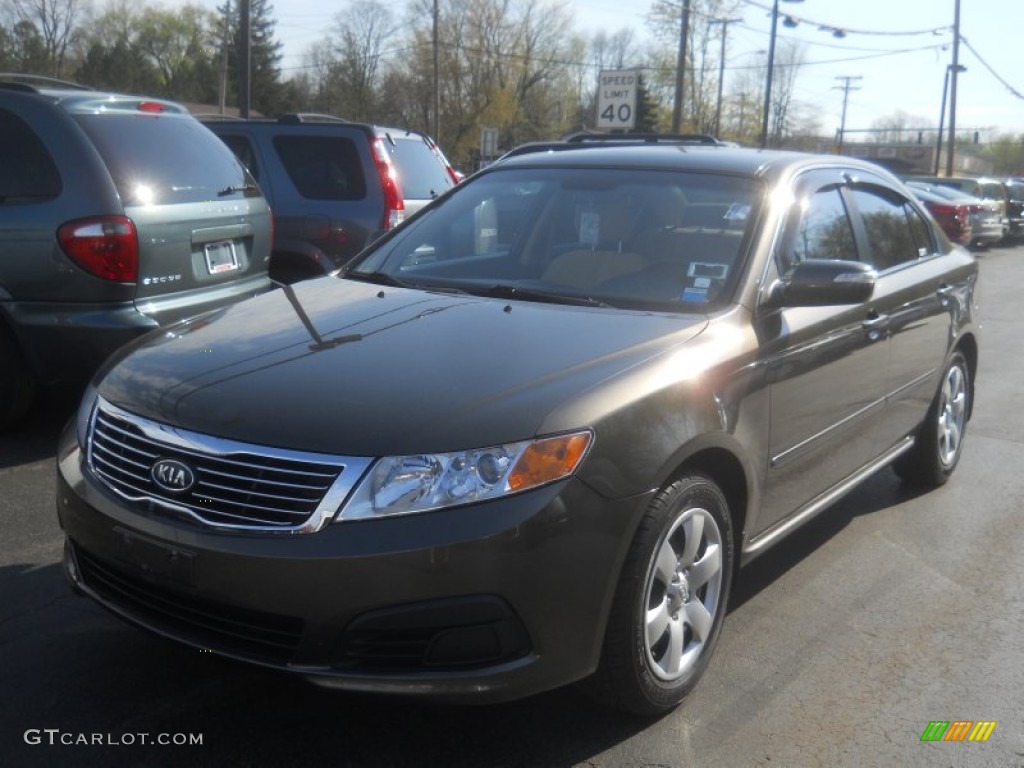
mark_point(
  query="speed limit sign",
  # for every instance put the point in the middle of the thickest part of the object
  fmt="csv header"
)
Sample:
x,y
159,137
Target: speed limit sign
x,y
616,99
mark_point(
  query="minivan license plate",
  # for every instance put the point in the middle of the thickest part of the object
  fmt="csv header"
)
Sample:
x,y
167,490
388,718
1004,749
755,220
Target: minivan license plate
x,y
221,257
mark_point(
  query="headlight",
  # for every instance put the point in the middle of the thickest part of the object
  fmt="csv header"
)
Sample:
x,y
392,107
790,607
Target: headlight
x,y
398,485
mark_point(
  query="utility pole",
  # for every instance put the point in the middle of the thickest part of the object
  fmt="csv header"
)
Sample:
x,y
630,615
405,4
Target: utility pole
x,y
952,90
721,70
223,86
845,88
244,58
437,77
684,33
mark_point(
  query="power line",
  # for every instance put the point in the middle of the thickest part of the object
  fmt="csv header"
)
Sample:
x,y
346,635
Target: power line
x,y
994,74
847,31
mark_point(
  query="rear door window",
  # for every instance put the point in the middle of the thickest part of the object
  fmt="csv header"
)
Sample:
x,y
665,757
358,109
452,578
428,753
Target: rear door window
x,y
165,159
421,174
892,227
322,167
27,172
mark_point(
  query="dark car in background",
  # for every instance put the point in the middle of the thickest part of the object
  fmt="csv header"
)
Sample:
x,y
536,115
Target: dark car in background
x,y
1015,206
333,184
526,438
118,214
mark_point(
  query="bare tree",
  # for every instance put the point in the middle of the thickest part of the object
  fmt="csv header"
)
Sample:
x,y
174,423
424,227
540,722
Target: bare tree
x,y
898,127
789,57
57,23
700,75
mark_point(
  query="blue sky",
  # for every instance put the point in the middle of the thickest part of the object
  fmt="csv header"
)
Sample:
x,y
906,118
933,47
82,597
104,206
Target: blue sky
x,y
910,81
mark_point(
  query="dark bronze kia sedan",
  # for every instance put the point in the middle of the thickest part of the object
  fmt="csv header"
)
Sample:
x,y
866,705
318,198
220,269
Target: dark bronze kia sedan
x,y
527,437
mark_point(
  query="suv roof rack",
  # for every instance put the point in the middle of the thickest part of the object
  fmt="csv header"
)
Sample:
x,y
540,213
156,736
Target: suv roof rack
x,y
28,82
310,117
577,140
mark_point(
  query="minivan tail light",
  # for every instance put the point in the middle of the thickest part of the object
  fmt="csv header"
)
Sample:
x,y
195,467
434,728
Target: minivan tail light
x,y
394,204
104,246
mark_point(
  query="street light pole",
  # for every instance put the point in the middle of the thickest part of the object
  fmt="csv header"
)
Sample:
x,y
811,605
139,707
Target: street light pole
x,y
952,90
942,114
766,113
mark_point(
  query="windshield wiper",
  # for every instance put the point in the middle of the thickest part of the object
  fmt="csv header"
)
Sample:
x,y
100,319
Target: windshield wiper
x,y
377,278
231,188
502,291
386,278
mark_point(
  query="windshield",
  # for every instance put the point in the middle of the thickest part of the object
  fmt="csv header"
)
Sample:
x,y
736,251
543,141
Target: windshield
x,y
625,238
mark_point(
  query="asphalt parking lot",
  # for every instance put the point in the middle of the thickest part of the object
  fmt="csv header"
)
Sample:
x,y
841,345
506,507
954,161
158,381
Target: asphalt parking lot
x,y
888,612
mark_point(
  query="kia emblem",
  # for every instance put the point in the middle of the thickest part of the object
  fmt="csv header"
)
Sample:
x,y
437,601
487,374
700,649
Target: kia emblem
x,y
172,475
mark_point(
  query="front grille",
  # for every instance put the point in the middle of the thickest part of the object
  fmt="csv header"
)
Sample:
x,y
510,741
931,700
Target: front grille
x,y
236,485
250,634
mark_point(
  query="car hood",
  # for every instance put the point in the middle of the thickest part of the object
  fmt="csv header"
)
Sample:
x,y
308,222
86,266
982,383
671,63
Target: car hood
x,y
338,366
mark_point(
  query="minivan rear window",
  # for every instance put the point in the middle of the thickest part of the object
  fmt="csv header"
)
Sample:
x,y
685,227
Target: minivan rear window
x,y
165,159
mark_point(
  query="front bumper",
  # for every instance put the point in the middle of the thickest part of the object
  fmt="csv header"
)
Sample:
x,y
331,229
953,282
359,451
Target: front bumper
x,y
486,602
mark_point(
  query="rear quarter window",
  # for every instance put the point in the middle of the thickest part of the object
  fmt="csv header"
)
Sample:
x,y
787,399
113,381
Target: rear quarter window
x,y
421,174
243,150
165,159
322,167
27,172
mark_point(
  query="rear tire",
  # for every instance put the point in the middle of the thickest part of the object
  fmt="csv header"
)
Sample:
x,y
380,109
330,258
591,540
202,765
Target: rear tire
x,y
940,440
17,387
670,601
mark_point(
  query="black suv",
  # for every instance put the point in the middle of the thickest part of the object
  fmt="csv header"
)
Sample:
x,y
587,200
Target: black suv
x,y
333,184
118,214
529,435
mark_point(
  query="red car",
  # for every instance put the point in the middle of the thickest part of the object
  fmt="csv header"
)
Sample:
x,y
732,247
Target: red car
x,y
954,216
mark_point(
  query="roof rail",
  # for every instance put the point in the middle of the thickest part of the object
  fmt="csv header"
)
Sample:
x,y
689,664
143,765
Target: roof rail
x,y
29,80
215,116
310,117
647,138
578,140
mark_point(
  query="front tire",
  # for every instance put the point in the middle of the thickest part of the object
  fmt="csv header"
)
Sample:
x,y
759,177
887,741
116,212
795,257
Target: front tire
x,y
940,441
670,601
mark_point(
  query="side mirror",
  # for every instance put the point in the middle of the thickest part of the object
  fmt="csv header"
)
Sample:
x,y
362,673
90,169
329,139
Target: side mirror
x,y
824,282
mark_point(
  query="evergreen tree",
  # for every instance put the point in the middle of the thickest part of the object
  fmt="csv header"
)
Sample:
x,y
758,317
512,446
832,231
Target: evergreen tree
x,y
267,94
647,108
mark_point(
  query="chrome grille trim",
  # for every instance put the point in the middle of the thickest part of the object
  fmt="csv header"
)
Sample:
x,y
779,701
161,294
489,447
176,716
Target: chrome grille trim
x,y
238,486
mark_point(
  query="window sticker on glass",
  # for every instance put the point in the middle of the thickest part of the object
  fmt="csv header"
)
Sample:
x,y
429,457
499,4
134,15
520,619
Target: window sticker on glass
x,y
737,212
695,294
